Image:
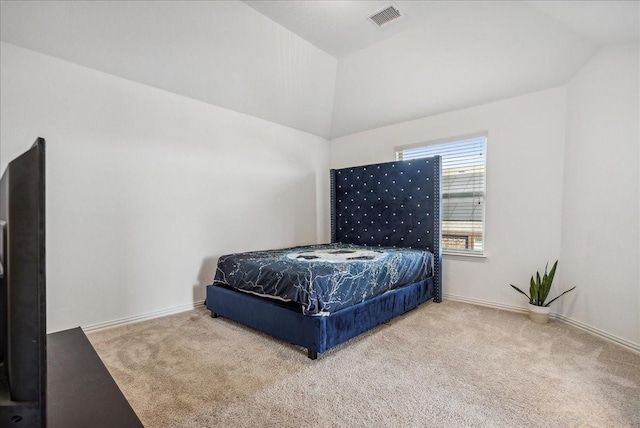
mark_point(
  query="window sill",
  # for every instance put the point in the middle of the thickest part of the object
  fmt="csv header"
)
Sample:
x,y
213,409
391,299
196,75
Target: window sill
x,y
463,256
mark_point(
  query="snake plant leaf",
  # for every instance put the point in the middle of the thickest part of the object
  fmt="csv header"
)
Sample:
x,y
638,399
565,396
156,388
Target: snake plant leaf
x,y
553,272
532,290
545,287
520,291
547,281
535,290
552,300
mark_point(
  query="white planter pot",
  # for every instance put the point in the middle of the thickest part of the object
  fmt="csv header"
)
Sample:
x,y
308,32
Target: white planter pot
x,y
539,314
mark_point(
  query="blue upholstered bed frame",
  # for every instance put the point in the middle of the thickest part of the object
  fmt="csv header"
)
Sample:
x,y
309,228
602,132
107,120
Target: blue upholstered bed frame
x,y
388,204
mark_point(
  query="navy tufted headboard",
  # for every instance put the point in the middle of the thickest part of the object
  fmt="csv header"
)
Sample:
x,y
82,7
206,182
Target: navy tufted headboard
x,y
395,204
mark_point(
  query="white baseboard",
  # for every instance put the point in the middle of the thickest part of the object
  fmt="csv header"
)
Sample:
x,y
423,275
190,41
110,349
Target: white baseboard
x,y
603,334
143,317
634,347
582,326
486,303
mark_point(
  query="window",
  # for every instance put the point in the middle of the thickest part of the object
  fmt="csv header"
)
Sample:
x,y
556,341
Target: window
x,y
463,190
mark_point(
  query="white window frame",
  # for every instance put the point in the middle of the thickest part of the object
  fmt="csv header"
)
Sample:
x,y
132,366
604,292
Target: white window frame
x,y
485,136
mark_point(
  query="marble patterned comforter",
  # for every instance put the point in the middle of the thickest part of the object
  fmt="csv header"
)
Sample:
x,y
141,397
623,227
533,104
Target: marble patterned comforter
x,y
323,278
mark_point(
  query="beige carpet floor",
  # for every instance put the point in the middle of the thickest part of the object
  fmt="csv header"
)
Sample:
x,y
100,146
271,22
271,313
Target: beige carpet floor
x,y
441,365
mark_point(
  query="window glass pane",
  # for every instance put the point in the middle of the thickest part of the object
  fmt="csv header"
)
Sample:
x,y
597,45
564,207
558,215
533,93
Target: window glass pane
x,y
463,190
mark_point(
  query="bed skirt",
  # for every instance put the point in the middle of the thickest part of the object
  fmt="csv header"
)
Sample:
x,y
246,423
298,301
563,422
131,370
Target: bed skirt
x,y
316,333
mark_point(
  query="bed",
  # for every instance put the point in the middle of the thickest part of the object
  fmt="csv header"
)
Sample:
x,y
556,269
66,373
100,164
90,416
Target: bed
x,y
384,259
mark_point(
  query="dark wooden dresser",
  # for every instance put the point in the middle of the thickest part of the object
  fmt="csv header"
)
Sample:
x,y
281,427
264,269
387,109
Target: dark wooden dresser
x,y
80,391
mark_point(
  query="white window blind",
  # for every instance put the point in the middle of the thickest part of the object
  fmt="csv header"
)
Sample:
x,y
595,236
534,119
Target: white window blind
x,y
463,190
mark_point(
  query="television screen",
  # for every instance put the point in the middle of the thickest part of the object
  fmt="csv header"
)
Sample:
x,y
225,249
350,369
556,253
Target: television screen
x,y
22,291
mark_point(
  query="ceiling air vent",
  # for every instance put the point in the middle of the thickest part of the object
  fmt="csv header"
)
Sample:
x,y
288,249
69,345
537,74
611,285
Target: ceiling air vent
x,y
386,15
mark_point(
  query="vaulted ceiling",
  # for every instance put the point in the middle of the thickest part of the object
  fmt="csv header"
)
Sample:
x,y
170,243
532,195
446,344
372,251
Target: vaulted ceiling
x,y
340,28
321,66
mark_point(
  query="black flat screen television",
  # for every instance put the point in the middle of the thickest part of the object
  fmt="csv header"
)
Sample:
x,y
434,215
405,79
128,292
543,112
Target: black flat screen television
x,y
23,335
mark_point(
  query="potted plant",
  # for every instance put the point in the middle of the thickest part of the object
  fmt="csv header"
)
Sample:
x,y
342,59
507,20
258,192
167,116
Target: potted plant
x,y
539,291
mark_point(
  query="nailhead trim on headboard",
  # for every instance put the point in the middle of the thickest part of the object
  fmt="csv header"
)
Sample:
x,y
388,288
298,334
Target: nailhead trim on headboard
x,y
393,204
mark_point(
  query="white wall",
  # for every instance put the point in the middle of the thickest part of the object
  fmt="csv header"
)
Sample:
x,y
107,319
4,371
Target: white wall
x,y
524,186
600,216
146,188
